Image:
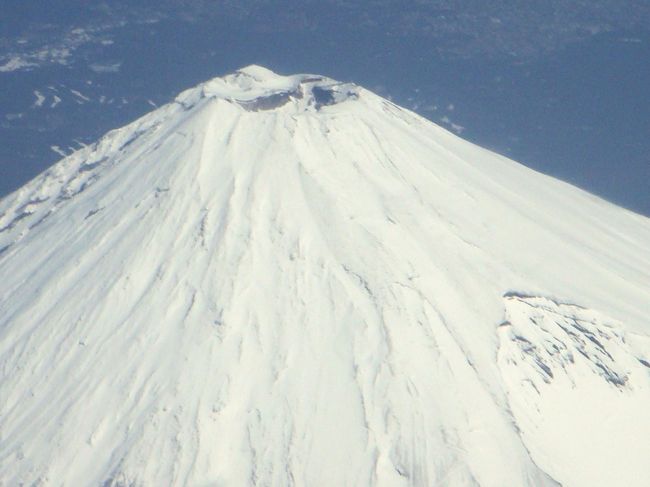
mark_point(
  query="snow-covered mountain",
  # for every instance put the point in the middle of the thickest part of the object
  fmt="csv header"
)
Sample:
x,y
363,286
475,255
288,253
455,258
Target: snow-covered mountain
x,y
281,281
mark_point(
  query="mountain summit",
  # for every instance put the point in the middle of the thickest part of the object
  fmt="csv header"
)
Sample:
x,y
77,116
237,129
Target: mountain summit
x,y
255,88
287,280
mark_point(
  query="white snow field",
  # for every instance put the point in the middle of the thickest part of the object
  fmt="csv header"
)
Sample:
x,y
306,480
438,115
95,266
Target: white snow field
x,y
289,281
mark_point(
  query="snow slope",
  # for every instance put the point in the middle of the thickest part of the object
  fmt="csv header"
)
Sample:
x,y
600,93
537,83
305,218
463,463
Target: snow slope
x,y
282,281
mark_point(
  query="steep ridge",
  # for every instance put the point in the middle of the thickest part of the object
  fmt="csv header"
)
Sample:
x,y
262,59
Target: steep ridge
x,y
292,281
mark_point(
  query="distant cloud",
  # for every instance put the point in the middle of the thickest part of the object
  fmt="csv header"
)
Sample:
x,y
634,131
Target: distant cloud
x,y
81,97
58,50
20,62
40,99
459,129
16,63
105,67
14,116
58,150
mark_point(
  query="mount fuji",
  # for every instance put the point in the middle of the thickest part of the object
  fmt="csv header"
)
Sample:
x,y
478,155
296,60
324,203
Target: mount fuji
x,y
291,281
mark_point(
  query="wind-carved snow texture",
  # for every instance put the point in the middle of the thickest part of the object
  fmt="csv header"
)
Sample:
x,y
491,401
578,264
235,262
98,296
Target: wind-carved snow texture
x,y
562,332
287,280
553,356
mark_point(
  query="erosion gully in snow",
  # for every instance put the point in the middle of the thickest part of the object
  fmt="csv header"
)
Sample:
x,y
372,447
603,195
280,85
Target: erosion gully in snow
x,y
287,280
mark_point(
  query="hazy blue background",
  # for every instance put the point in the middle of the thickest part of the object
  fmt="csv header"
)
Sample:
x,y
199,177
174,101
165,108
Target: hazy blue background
x,y
561,86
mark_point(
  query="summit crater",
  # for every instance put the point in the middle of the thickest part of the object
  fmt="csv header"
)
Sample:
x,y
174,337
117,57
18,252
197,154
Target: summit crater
x,y
256,88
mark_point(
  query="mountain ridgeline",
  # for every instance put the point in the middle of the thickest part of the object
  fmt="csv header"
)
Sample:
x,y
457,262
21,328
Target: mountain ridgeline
x,y
291,281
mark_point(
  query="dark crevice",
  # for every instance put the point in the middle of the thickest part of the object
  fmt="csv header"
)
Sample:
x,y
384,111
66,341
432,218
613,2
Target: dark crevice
x,y
93,165
266,103
276,100
644,362
93,212
15,221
